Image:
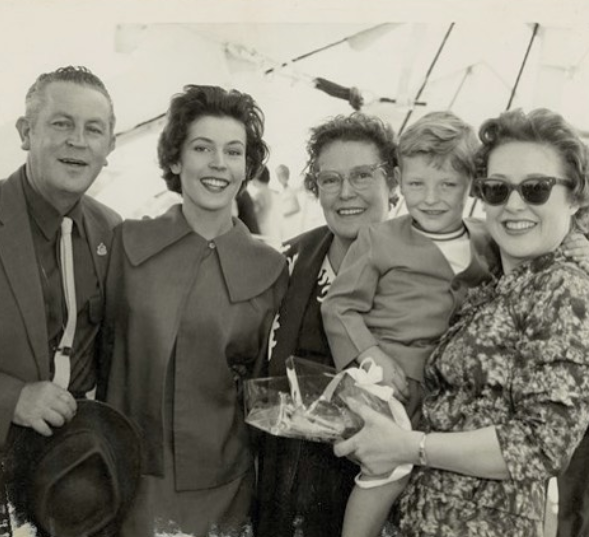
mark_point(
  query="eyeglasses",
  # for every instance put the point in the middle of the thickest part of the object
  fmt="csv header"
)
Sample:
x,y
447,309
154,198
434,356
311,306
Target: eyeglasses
x,y
360,178
534,191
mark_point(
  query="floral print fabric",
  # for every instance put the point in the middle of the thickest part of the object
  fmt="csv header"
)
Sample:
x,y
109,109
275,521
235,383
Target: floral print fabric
x,y
516,358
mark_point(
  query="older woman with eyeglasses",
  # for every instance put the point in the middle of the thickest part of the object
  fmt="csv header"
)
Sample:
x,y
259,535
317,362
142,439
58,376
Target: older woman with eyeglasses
x,y
508,385
303,487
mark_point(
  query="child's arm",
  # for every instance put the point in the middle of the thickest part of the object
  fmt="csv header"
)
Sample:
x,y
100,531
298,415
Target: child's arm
x,y
350,296
368,508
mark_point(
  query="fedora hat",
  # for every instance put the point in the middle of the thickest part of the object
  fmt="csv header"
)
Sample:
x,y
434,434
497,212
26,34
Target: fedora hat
x,y
80,481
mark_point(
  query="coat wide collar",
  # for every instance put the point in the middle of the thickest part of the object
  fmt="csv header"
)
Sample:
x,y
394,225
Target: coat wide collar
x,y
249,266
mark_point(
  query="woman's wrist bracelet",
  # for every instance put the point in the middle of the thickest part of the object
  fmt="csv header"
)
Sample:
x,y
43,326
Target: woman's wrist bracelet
x,y
421,451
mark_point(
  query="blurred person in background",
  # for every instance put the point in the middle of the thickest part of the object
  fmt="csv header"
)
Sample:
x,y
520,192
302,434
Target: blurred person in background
x,y
283,175
244,210
263,199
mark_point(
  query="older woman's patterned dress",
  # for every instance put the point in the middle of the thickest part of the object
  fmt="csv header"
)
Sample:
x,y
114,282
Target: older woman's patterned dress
x,y
517,358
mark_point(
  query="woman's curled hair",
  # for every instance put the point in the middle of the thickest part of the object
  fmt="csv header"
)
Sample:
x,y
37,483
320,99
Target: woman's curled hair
x,y
356,127
197,101
541,126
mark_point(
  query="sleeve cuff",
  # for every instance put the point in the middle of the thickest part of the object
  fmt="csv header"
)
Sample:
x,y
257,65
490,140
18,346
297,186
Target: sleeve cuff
x,y
397,474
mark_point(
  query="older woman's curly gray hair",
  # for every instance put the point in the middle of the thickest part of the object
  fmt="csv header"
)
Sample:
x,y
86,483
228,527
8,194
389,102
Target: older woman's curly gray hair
x,y
356,127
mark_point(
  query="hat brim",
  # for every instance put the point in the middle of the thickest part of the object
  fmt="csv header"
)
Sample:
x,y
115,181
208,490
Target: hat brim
x,y
27,449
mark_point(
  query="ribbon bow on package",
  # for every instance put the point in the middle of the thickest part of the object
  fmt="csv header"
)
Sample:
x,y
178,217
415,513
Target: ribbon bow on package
x,y
311,401
367,377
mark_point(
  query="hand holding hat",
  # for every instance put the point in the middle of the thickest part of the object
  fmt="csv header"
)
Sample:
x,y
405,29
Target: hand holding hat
x,y
80,480
42,405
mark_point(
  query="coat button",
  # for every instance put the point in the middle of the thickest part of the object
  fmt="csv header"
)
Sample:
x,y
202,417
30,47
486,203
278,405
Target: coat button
x,y
212,245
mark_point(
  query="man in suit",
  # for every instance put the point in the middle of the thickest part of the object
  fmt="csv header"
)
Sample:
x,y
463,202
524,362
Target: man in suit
x,y
68,132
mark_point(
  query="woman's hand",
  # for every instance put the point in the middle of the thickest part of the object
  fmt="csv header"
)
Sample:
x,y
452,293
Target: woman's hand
x,y
381,445
576,246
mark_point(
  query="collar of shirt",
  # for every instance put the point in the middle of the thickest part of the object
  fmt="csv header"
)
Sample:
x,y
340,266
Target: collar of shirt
x,y
249,266
46,216
440,236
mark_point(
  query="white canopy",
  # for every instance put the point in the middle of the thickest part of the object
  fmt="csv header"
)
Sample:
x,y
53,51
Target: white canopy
x,y
401,69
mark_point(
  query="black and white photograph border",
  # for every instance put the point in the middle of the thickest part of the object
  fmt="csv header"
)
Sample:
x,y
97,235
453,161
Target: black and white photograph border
x,y
303,61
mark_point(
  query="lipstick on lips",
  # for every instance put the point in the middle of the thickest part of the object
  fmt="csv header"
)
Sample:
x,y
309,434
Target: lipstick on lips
x,y
350,211
518,226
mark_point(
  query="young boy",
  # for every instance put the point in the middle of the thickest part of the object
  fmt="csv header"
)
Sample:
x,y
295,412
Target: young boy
x,y
402,280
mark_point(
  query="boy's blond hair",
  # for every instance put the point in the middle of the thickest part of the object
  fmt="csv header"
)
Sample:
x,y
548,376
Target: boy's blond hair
x,y
441,137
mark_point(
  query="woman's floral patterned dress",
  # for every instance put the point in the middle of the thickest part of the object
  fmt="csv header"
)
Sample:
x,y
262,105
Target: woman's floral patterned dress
x,y
516,358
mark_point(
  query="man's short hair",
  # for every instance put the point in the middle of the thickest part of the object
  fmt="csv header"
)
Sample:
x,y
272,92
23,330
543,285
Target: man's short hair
x,y
76,75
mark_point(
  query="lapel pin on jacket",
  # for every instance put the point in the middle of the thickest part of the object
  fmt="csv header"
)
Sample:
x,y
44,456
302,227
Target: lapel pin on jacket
x,y
101,250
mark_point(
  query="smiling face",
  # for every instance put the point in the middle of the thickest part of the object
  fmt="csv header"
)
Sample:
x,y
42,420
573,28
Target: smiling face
x,y
68,141
212,164
349,210
434,195
521,230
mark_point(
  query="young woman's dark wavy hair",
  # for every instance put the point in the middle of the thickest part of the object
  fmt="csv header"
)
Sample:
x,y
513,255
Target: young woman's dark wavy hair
x,y
197,101
356,127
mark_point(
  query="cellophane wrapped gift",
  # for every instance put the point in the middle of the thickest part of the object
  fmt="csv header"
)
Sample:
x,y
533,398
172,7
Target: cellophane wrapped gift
x,y
309,403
